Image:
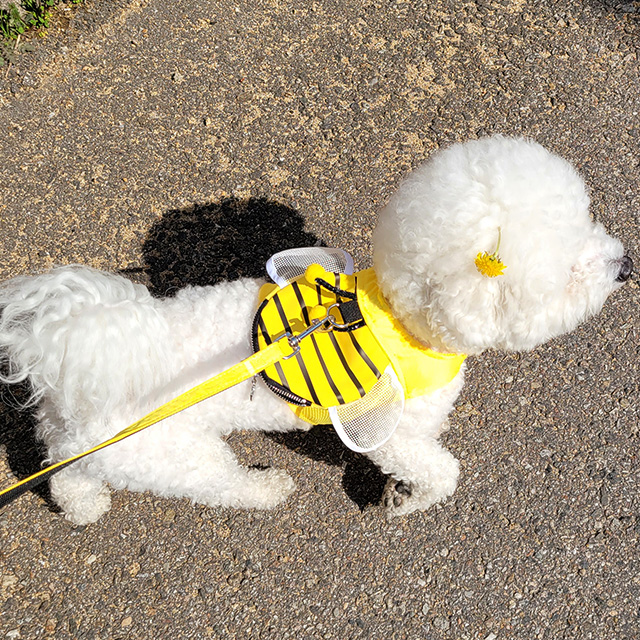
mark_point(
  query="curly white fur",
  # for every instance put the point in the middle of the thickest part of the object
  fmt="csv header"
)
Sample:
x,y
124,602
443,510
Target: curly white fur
x,y
100,352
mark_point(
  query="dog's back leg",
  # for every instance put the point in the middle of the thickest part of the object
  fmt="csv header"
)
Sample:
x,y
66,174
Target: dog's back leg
x,y
206,473
180,460
219,480
83,498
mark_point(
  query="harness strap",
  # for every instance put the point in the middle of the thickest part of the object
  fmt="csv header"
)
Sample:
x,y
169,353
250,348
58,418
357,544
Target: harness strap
x,y
230,377
341,292
349,310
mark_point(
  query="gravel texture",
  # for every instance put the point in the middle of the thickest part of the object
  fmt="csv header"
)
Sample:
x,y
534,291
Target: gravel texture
x,y
182,142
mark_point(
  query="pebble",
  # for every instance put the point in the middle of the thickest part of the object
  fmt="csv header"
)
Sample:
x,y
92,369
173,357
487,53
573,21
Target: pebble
x,y
441,623
604,495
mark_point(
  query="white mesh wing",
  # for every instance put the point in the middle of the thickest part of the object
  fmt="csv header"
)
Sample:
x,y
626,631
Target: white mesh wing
x,y
288,265
368,423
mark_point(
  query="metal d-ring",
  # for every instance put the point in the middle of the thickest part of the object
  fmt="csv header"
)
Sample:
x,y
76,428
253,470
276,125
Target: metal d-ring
x,y
332,319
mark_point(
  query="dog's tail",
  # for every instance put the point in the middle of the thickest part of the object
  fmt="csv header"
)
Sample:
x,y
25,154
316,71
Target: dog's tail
x,y
80,336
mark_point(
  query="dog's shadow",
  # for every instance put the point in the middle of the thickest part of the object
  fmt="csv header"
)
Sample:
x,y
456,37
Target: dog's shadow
x,y
25,454
211,243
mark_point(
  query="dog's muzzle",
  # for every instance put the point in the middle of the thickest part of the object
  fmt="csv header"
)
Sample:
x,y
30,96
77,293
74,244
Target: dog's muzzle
x,y
626,267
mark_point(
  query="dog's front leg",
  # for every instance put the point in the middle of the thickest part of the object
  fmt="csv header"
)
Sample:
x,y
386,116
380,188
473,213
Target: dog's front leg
x,y
422,473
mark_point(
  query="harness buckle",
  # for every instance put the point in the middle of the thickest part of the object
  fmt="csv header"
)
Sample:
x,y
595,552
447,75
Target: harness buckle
x,y
331,319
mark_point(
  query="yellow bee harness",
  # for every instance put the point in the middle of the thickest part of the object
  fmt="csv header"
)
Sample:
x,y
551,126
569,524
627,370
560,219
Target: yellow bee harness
x,y
357,374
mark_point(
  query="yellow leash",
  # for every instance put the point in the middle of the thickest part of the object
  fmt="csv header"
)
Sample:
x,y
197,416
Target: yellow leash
x,y
230,377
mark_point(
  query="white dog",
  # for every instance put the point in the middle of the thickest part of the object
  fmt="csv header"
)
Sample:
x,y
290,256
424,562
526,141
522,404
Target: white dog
x,y
100,352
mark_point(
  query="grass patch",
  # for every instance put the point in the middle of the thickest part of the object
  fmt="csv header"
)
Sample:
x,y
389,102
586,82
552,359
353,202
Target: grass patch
x,y
21,17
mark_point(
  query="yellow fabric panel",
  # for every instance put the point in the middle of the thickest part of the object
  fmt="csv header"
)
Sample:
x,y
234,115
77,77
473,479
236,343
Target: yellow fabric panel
x,y
313,415
420,369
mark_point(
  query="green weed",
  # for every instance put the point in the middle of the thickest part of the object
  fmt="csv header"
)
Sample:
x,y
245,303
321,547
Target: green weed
x,y
38,12
14,23
11,23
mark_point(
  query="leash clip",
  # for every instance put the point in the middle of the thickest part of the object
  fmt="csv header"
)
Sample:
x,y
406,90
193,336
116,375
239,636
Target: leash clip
x,y
326,324
316,325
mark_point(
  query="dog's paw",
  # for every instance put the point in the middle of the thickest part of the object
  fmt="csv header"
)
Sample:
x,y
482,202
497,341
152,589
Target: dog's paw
x,y
401,497
82,499
396,498
270,487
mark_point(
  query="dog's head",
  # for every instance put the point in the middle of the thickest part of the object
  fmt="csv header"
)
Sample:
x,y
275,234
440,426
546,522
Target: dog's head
x,y
491,205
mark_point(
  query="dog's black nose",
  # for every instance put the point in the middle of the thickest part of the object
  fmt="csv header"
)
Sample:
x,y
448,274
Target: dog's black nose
x,y
626,267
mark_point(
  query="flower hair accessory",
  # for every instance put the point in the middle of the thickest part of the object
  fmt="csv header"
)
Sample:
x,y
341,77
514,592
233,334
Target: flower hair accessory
x,y
489,264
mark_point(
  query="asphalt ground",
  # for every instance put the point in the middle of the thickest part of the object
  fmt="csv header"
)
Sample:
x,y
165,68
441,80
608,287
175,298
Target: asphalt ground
x,y
184,142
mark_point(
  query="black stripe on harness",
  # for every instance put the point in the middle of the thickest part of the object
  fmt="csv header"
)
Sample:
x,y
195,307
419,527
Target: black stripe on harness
x,y
258,322
299,360
301,302
346,366
330,380
364,356
361,351
277,365
335,289
323,364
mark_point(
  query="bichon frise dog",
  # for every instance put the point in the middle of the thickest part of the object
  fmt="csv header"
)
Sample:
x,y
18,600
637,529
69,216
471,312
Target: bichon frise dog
x,y
487,245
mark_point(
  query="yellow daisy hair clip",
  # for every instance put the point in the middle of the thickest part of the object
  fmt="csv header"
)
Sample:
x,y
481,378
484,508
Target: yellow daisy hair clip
x,y
489,264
